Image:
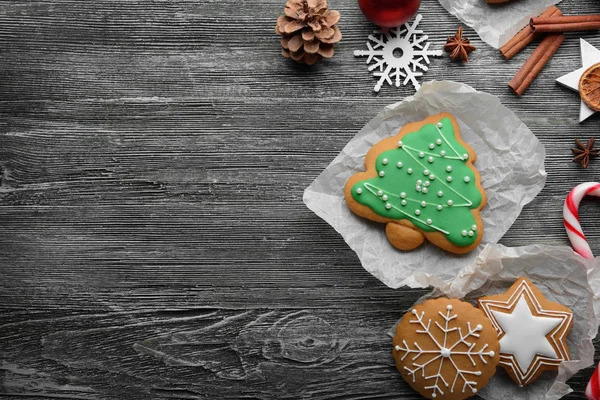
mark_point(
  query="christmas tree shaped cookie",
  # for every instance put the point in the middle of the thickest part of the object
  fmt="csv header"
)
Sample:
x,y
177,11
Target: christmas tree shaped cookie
x,y
422,184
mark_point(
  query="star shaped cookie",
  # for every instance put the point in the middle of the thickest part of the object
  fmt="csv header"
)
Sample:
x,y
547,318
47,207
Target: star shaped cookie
x,y
532,330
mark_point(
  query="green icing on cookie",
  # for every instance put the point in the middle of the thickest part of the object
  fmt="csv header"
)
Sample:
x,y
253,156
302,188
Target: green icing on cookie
x,y
427,181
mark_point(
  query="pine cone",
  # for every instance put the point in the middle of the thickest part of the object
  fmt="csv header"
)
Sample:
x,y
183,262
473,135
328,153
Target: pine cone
x,y
308,31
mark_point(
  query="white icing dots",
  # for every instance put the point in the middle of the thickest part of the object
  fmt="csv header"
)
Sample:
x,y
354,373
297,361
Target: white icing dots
x,y
467,179
464,233
478,327
471,233
449,306
466,156
418,203
439,125
474,227
444,352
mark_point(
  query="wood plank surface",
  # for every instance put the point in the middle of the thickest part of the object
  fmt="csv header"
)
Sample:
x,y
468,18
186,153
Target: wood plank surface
x,y
153,239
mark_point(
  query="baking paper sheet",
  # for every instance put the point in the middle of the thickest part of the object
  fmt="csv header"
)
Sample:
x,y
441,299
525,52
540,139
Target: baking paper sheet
x,y
496,23
510,160
563,277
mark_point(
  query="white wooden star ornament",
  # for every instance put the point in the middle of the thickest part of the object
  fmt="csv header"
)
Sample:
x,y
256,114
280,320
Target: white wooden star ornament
x,y
589,56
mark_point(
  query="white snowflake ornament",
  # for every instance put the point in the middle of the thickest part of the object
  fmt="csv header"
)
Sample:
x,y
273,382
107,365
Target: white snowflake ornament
x,y
401,53
446,349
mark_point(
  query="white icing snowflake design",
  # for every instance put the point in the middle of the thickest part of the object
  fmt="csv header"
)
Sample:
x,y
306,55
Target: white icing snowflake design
x,y
445,353
398,53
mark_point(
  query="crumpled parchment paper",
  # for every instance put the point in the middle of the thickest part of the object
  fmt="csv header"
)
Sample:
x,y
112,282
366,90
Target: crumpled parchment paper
x,y
510,160
564,277
496,23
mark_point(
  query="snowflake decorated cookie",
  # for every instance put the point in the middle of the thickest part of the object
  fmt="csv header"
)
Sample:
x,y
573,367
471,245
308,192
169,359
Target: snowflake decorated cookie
x,y
422,184
532,330
446,349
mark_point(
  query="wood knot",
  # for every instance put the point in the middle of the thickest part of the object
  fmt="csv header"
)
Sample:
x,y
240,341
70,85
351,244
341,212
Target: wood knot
x,y
304,339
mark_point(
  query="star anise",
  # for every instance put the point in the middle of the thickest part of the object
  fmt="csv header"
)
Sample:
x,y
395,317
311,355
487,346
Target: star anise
x,y
583,152
459,47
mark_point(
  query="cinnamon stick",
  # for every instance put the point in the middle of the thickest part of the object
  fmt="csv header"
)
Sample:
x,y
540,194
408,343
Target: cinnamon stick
x,y
534,64
525,36
569,23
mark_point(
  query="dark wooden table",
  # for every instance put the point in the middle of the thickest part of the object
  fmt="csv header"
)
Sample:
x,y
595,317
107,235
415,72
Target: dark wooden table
x,y
153,239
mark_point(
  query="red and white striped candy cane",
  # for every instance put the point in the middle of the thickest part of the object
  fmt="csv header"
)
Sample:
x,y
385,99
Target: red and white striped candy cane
x,y
571,216
592,391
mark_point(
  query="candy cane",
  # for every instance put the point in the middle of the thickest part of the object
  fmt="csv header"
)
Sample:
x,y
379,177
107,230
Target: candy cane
x,y
571,216
592,391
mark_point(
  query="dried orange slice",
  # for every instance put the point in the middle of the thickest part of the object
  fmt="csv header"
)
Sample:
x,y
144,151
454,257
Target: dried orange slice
x,y
589,87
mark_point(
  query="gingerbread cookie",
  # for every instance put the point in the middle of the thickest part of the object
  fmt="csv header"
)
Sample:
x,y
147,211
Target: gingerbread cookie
x,y
446,349
422,184
532,330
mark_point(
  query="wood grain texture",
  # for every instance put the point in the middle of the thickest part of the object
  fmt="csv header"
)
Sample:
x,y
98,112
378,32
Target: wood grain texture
x,y
153,239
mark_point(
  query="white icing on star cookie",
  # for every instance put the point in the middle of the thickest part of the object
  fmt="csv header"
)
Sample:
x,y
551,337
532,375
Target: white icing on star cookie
x,y
532,330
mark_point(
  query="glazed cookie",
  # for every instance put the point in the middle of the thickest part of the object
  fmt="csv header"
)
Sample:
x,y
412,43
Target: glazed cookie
x,y
422,184
532,330
446,349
